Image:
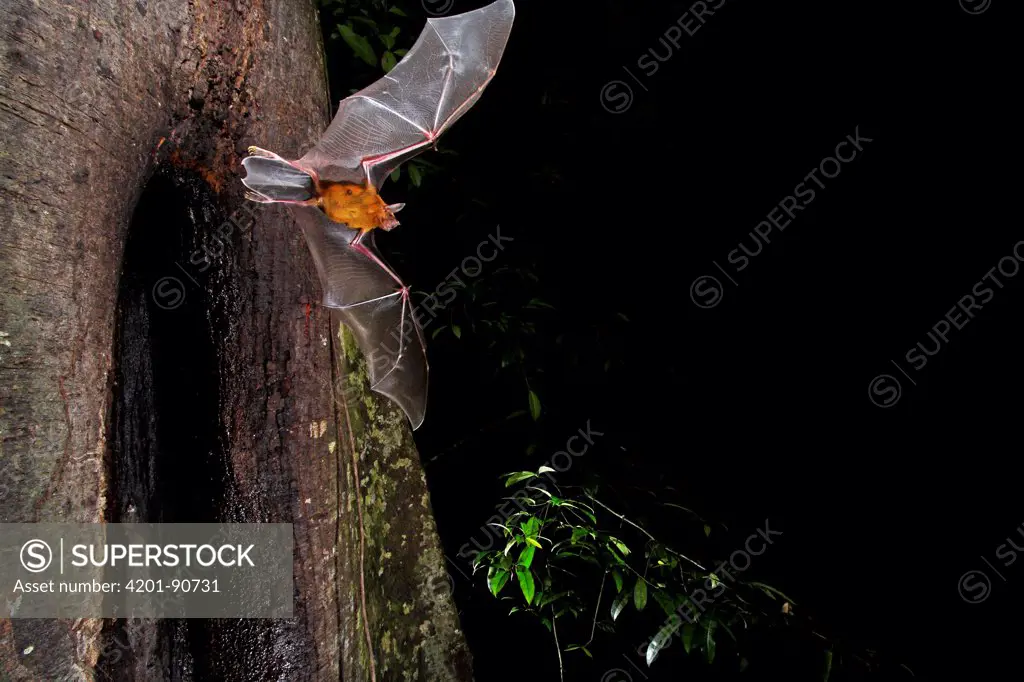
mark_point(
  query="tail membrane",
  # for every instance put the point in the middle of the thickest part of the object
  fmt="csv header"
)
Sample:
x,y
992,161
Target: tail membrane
x,y
277,180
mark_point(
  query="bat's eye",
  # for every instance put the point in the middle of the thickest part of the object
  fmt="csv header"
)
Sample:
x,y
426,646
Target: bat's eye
x,y
348,192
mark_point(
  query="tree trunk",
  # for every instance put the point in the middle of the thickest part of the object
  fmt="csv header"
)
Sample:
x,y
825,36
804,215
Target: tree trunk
x,y
162,355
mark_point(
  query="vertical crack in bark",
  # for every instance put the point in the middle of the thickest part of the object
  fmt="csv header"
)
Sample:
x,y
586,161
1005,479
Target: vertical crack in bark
x,y
167,464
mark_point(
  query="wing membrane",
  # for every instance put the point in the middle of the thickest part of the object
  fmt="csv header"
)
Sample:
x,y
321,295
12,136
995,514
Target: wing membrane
x,y
400,115
277,180
372,305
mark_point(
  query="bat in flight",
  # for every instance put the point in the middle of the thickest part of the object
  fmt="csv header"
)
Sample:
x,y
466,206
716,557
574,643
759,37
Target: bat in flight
x,y
333,190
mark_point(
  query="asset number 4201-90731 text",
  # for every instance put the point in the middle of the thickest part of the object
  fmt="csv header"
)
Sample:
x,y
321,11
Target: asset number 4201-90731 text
x,y
189,585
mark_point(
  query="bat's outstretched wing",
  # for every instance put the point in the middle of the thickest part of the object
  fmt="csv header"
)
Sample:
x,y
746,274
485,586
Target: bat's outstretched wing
x,y
399,116
374,305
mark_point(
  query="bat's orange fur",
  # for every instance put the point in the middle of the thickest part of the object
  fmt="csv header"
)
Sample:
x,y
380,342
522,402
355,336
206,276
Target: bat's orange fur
x,y
358,206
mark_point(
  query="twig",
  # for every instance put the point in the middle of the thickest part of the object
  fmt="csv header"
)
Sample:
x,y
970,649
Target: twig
x,y
640,575
597,608
558,647
623,518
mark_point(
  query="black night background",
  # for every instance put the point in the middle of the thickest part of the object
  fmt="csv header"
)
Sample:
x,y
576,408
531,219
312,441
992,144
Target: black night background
x,y
754,396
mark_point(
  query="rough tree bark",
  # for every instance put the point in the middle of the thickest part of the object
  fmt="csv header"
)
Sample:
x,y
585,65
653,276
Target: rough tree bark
x,y
104,103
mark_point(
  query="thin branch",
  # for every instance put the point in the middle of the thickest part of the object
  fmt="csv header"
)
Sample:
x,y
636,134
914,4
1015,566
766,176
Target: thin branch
x,y
575,513
558,647
623,518
640,575
597,608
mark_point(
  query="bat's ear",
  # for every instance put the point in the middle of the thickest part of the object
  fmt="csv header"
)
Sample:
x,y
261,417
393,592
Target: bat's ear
x,y
390,222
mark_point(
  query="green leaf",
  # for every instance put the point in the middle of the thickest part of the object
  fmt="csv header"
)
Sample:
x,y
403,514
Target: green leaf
x,y
497,581
534,405
707,530
771,591
658,643
622,547
544,469
400,53
540,490
531,541
526,584
414,175
456,329
617,576
550,598
526,556
366,21
828,666
665,601
619,603
640,594
502,526
537,303
360,45
615,555
395,174
517,477
687,636
388,61
395,10
510,545
709,641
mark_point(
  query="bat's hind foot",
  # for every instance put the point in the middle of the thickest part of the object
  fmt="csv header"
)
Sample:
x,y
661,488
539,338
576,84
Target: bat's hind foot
x,y
259,151
258,198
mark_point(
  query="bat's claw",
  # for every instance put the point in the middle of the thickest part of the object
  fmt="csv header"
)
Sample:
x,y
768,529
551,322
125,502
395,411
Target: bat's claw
x,y
259,151
258,198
